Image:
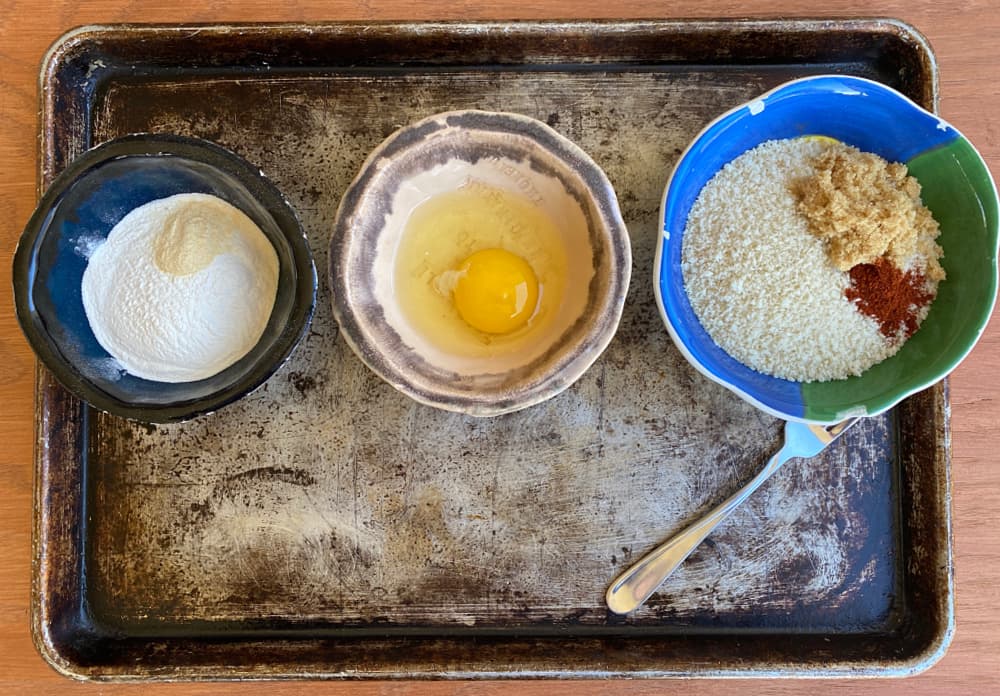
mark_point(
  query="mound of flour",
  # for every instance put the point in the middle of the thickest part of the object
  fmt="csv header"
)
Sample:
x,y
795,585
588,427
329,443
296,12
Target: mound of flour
x,y
182,288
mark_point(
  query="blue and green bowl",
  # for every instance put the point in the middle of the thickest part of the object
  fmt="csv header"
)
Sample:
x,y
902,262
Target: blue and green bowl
x,y
956,187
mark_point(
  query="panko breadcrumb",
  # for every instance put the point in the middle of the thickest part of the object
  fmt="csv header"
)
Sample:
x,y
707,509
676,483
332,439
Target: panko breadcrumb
x,y
761,284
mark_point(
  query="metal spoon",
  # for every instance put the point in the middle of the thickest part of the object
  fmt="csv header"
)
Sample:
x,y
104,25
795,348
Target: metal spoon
x,y
635,585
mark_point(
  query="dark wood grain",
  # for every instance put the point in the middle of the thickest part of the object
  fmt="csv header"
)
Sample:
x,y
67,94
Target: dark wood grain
x,y
965,55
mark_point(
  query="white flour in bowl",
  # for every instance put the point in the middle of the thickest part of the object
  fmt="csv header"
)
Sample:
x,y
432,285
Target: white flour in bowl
x,y
182,288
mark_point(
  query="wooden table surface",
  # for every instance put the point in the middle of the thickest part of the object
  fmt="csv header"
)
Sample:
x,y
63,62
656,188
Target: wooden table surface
x,y
965,39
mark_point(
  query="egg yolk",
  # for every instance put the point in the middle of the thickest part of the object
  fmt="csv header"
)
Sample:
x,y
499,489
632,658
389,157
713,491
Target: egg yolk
x,y
496,291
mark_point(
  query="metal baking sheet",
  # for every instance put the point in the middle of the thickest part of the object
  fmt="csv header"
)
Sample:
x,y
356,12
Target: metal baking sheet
x,y
327,526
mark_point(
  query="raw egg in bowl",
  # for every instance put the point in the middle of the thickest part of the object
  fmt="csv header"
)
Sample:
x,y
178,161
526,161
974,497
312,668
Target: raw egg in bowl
x,y
479,262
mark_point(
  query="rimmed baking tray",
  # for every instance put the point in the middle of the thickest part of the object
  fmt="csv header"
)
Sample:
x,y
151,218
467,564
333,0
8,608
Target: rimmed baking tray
x,y
326,526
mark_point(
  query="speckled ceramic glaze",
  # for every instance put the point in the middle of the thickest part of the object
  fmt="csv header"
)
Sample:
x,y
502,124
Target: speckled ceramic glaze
x,y
956,187
79,210
505,151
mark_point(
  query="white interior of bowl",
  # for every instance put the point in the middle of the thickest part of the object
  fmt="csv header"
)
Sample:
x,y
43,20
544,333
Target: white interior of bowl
x,y
516,177
438,156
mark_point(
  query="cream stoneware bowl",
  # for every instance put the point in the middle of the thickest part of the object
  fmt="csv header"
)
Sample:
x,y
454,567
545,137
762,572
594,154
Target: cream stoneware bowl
x,y
504,151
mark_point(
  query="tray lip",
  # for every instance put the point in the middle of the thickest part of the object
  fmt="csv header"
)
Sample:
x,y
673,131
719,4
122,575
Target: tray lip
x,y
47,391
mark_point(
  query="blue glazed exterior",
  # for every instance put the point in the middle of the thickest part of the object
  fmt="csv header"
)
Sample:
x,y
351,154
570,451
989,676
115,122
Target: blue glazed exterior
x,y
854,110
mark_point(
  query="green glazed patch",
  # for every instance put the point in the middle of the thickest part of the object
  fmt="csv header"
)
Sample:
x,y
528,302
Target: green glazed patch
x,y
958,190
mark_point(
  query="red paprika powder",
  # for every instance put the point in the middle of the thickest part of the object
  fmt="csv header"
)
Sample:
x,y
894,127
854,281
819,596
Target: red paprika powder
x,y
890,296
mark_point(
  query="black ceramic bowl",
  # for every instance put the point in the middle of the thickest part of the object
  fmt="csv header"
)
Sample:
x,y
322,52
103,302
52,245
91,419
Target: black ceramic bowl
x,y
96,191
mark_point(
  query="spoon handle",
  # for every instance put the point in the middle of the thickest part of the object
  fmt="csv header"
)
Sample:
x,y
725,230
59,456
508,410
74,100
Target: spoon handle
x,y
635,585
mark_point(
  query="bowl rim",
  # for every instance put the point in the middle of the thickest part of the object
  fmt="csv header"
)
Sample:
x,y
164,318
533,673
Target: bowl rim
x,y
164,145
662,233
565,372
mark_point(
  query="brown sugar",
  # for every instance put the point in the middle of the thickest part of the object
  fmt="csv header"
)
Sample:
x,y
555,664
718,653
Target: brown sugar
x,y
865,208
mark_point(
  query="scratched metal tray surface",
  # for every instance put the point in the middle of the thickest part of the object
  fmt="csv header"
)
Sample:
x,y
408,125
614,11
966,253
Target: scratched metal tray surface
x,y
327,526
